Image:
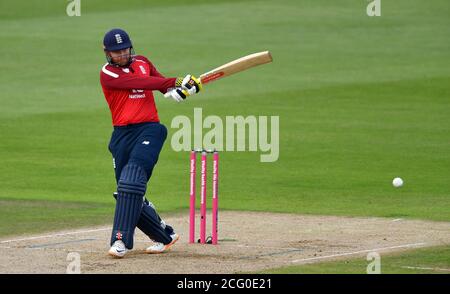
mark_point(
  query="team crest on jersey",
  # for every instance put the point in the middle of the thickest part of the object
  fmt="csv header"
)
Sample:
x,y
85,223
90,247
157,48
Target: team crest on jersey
x,y
143,69
126,70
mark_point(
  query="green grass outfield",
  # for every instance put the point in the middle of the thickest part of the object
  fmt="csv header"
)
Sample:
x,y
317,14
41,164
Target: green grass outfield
x,y
435,260
361,100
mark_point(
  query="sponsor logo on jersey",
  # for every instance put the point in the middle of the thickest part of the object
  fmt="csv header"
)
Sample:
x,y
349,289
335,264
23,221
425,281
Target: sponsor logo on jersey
x,y
136,94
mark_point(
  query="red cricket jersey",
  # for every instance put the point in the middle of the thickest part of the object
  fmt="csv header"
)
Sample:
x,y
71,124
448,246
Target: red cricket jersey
x,y
128,91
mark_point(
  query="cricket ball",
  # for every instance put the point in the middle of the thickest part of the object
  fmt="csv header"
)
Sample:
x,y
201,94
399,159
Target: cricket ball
x,y
397,182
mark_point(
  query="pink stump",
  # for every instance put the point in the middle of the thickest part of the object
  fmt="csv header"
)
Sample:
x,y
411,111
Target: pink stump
x,y
192,199
203,201
215,196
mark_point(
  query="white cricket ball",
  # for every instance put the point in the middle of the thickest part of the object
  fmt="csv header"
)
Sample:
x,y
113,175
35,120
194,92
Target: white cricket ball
x,y
397,182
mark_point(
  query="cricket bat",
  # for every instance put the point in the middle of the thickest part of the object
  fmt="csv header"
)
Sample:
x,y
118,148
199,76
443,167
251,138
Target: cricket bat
x,y
234,66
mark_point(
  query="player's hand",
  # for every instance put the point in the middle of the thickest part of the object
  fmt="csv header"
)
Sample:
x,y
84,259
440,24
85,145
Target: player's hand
x,y
177,94
190,83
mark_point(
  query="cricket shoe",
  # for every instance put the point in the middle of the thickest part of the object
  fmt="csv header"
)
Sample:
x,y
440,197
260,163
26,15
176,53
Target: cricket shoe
x,y
161,247
118,249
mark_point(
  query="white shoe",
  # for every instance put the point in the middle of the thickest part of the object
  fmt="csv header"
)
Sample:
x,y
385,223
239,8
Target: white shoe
x,y
160,247
118,249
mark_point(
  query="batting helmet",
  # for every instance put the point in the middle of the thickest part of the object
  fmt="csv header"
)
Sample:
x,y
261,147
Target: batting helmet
x,y
116,39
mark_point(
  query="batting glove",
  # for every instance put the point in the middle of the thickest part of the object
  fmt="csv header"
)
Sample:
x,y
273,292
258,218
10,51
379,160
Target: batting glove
x,y
177,94
190,83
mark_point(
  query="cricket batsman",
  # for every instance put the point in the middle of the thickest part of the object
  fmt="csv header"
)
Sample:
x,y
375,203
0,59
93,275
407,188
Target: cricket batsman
x,y
128,81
